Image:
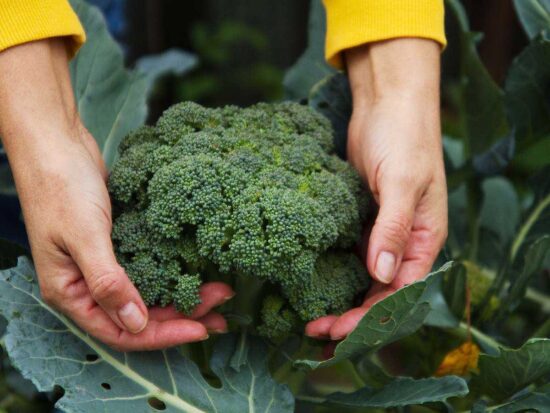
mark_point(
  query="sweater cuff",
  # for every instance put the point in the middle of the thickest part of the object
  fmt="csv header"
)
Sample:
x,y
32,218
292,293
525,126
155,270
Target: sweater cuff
x,y
351,23
23,21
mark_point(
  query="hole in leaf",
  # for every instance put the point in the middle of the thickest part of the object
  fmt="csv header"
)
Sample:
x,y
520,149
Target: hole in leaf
x,y
92,357
106,386
385,319
322,105
156,404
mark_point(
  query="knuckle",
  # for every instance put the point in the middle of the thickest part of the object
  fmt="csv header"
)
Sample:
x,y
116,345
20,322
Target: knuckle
x,y
48,296
106,285
397,229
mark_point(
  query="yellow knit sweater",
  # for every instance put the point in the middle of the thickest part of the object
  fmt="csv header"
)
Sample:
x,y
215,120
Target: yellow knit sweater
x,y
349,22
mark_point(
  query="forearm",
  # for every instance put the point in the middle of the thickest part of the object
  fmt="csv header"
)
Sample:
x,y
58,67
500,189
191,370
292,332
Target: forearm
x,y
404,68
37,107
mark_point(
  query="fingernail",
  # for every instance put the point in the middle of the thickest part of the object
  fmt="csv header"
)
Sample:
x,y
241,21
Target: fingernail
x,y
206,337
218,331
229,297
132,317
385,267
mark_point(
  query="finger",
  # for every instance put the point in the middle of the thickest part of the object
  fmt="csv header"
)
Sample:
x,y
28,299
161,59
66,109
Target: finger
x,y
320,328
427,238
212,295
377,293
165,313
418,260
157,334
214,323
391,231
109,285
346,323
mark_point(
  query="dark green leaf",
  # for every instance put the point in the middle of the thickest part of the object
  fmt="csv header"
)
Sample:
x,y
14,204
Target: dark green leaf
x,y
440,314
528,93
482,101
404,391
98,379
533,264
454,290
535,401
396,316
534,15
500,210
311,66
512,370
332,97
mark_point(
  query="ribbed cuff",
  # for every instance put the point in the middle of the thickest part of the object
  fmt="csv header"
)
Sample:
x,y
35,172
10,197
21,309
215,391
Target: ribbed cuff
x,y
352,23
23,21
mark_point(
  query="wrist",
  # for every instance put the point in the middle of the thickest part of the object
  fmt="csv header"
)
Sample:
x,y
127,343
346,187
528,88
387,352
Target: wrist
x,y
395,70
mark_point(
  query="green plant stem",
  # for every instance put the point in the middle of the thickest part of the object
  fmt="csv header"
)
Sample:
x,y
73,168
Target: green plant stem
x,y
479,335
526,227
543,330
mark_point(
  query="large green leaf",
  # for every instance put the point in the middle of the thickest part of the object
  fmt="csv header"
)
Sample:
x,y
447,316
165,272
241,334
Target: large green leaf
x,y
404,391
50,350
533,263
512,370
396,316
535,401
112,100
534,15
482,101
310,67
528,92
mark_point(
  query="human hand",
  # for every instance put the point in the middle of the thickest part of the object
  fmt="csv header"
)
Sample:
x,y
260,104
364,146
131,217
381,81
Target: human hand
x,y
61,182
394,142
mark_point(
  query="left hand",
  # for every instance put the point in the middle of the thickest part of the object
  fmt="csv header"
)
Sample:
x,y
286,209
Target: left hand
x,y
394,142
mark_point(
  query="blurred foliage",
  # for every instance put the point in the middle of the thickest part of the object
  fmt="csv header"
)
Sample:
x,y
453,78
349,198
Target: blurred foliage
x,y
221,77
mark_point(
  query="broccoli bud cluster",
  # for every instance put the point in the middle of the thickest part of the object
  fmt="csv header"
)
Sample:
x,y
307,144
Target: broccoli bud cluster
x,y
254,192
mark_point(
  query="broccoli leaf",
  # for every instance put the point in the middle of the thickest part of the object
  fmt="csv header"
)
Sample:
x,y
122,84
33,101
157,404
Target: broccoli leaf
x,y
537,400
528,92
98,379
404,391
396,316
534,15
310,66
112,100
482,101
504,375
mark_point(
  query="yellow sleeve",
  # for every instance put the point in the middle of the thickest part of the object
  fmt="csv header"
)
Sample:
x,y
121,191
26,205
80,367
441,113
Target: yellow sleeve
x,y
23,21
351,23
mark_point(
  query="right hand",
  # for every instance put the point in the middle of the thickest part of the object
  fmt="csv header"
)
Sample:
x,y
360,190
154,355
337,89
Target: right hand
x,y
61,182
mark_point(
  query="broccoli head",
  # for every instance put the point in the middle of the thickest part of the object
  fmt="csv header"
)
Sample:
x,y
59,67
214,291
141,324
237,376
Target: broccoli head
x,y
254,192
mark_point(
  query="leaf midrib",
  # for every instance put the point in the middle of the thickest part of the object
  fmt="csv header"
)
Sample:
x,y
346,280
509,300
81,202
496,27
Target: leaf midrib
x,y
153,390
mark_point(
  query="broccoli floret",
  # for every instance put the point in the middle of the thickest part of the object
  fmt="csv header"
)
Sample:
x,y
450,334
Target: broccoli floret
x,y
254,192
277,320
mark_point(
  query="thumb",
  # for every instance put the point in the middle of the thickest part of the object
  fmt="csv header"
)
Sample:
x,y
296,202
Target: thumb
x,y
390,233
108,283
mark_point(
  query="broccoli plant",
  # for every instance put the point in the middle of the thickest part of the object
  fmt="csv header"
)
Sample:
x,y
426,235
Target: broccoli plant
x,y
254,194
